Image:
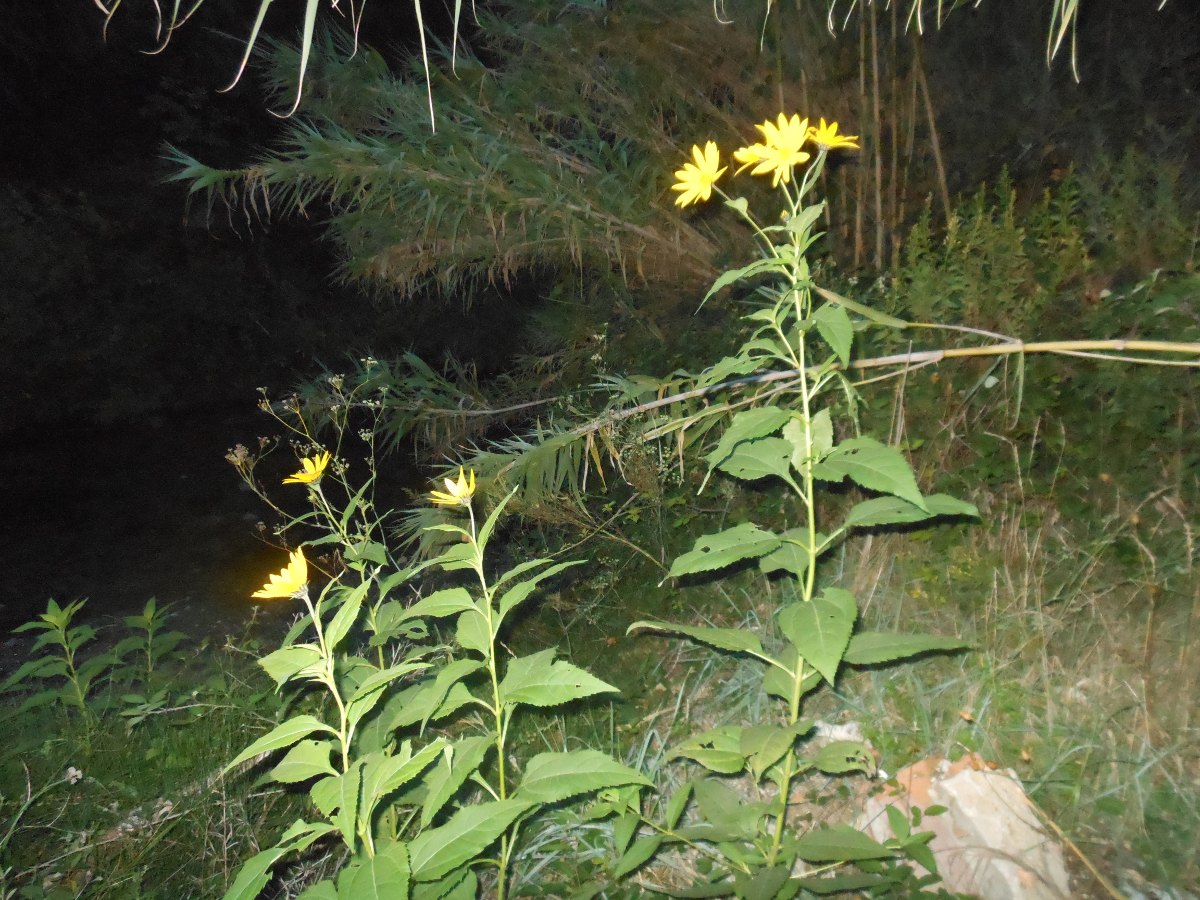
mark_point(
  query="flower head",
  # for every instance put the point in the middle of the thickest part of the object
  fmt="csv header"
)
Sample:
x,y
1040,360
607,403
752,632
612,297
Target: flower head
x,y
311,471
457,493
695,180
827,138
780,150
289,582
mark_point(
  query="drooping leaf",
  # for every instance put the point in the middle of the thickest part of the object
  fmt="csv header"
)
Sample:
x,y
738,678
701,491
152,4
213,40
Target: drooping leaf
x,y
868,648
383,876
715,551
820,630
305,760
439,604
732,639
747,425
472,633
752,460
540,680
765,745
895,511
452,771
835,327
282,735
841,843
550,777
718,750
792,555
872,465
470,831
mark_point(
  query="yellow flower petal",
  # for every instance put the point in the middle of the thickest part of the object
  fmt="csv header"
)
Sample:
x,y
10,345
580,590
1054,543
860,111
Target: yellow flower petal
x,y
290,581
827,138
311,470
457,493
695,179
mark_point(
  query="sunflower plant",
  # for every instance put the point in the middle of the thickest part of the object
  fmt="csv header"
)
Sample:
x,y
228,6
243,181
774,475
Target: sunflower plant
x,y
737,812
407,761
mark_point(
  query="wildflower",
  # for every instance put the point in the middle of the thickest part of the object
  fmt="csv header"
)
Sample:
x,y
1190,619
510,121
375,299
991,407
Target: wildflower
x,y
289,582
312,470
695,180
827,138
780,150
457,493
74,775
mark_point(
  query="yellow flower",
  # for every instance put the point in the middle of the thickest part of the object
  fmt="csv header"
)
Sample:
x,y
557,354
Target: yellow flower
x,y
827,138
780,150
289,582
695,180
457,493
312,470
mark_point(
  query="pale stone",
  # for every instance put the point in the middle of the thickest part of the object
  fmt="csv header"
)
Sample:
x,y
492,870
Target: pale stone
x,y
988,843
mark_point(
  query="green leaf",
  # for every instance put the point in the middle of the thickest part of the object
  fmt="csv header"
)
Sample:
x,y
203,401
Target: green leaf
x,y
840,844
485,533
456,766
461,884
839,757
747,425
322,890
539,680
779,683
862,309
550,777
820,630
732,639
751,460
894,511
472,633
792,555
715,551
835,327
869,463
727,810
345,617
440,604
522,589
438,851
256,872
367,694
797,434
305,760
765,745
643,849
868,648
381,775
282,735
383,876
718,750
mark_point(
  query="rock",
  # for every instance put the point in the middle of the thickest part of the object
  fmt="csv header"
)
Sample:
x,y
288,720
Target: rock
x,y
988,843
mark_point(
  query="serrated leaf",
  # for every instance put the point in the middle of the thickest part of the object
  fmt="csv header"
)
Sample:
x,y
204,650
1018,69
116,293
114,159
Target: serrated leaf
x,y
381,775
765,745
752,460
779,683
550,777
540,680
797,434
895,511
344,619
792,555
455,767
472,633
461,884
439,604
322,890
732,639
747,425
727,810
367,694
820,630
256,871
282,735
872,465
868,648
835,327
439,851
718,750
639,854
305,760
522,589
715,551
839,757
840,844
383,876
